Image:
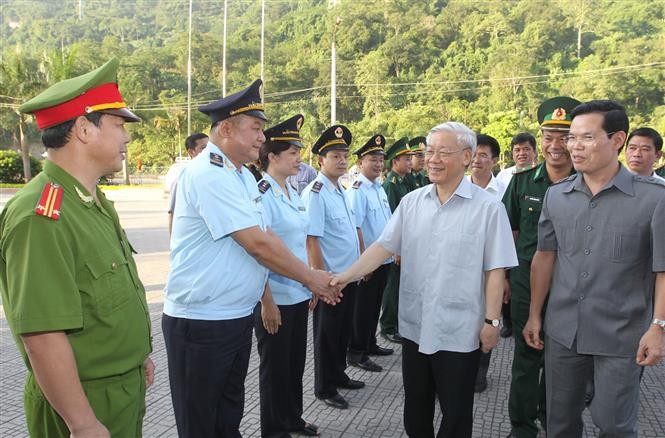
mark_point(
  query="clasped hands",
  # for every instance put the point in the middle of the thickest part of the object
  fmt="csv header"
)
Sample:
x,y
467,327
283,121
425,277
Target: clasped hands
x,y
327,286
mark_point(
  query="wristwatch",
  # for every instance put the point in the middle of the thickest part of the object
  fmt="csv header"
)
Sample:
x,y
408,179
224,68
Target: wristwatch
x,y
659,322
497,322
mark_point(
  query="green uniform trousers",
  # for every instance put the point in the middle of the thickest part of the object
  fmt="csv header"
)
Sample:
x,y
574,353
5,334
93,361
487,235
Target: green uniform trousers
x,y
527,385
390,304
118,403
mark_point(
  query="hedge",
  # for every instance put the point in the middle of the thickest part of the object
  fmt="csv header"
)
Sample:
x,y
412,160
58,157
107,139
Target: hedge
x,y
11,166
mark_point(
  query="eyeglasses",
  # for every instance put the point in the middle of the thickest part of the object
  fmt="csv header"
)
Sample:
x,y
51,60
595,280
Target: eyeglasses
x,y
441,153
585,140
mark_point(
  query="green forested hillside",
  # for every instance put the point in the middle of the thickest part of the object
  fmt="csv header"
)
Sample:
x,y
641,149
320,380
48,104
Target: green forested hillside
x,y
403,65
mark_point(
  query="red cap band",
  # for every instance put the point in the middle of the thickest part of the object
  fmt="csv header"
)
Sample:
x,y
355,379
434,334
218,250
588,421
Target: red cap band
x,y
80,105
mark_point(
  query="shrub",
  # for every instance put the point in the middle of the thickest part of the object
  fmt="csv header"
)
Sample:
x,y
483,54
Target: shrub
x,y
11,166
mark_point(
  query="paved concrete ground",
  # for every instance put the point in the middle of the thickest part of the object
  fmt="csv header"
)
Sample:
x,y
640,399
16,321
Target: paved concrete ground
x,y
375,411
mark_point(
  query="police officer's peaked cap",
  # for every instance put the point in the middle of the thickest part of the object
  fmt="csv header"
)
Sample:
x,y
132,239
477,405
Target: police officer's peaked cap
x,y
374,146
337,137
417,144
400,147
287,131
96,91
247,101
554,113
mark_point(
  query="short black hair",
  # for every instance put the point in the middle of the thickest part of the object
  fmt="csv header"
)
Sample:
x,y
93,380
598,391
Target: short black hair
x,y
276,147
488,140
650,133
190,142
57,136
614,114
524,137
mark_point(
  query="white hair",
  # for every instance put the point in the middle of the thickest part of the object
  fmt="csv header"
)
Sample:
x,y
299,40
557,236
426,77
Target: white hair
x,y
466,138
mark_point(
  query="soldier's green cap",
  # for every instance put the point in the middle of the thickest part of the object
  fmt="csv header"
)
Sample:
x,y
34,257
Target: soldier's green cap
x,y
400,147
96,91
554,113
417,144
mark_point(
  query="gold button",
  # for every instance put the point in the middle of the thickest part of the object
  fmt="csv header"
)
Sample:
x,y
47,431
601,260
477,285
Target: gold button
x,y
114,266
530,209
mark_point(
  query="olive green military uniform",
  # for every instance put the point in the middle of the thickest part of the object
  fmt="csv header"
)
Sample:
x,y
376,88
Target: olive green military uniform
x,y
396,188
661,171
523,200
74,272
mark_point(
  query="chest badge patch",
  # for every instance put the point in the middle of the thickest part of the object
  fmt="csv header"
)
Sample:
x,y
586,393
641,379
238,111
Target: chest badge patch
x,y
49,202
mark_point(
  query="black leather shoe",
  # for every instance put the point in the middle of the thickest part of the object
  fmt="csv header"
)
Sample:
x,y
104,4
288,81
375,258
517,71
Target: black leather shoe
x,y
511,434
393,337
308,429
506,331
367,364
380,351
336,401
351,384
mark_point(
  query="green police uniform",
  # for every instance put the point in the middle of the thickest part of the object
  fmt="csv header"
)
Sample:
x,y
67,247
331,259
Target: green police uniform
x,y
396,188
66,266
523,200
75,273
417,179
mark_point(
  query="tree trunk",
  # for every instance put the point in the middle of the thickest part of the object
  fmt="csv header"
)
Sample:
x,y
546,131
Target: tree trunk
x,y
25,150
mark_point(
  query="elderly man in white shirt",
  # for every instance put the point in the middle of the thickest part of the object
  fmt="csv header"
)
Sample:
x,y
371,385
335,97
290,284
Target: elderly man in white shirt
x,y
452,266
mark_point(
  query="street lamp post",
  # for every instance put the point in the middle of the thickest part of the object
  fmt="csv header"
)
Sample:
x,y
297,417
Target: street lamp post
x,y
333,74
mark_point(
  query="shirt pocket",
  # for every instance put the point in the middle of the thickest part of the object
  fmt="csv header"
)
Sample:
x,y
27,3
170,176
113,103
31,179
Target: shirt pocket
x,y
466,251
623,246
107,282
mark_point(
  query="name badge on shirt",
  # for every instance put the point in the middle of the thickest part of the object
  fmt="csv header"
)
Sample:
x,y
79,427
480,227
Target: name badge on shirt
x,y
301,208
532,198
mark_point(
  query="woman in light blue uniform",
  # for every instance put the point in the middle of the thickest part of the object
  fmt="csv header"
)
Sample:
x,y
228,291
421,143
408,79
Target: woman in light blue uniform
x,y
280,320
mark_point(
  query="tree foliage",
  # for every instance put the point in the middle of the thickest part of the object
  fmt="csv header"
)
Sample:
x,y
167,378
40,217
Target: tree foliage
x,y
402,65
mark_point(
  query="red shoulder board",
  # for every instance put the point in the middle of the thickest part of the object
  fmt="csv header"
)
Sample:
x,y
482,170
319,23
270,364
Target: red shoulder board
x,y
49,202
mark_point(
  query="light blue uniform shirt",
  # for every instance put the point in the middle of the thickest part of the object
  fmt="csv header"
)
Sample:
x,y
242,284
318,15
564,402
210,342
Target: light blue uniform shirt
x,y
331,219
288,219
212,277
370,205
449,248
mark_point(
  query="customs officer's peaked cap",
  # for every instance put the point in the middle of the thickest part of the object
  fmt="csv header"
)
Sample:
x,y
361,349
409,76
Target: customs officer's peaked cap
x,y
337,137
96,91
400,147
417,144
554,113
374,146
247,101
287,131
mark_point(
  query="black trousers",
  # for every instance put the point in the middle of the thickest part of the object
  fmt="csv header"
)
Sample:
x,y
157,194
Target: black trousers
x,y
332,331
366,311
208,363
446,374
282,364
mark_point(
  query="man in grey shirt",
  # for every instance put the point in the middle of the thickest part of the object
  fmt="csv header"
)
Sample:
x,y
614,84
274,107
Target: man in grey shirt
x,y
601,254
452,269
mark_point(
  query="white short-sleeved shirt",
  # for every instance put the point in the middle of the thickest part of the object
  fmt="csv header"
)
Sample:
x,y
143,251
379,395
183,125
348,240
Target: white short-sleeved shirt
x,y
286,217
212,277
332,220
370,205
494,187
449,248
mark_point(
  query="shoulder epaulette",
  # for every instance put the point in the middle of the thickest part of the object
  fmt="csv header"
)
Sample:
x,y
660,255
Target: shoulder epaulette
x,y
357,184
49,202
316,188
649,179
263,186
216,159
566,179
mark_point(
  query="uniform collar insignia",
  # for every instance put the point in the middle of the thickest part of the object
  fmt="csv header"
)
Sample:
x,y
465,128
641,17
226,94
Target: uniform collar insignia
x,y
84,198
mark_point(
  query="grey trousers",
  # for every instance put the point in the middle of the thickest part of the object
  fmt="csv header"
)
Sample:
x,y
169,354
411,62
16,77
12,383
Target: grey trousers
x,y
616,400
